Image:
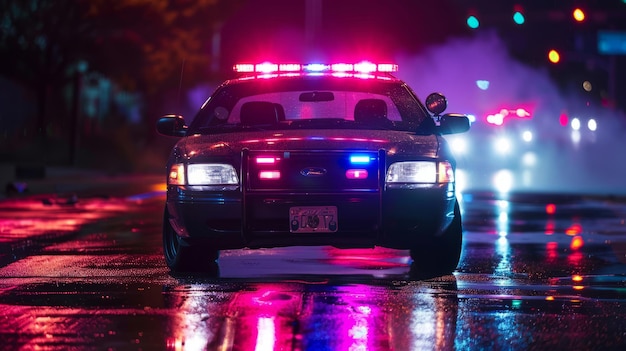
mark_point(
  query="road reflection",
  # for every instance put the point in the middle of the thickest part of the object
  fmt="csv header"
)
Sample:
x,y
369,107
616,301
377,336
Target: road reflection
x,y
313,316
46,215
537,272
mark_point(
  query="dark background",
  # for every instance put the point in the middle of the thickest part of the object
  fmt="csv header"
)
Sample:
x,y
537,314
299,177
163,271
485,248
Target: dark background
x,y
82,82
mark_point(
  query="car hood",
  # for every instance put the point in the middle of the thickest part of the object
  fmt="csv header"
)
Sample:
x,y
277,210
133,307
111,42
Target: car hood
x,y
394,142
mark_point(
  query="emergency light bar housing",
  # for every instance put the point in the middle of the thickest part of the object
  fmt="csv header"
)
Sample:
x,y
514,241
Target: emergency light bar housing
x,y
361,67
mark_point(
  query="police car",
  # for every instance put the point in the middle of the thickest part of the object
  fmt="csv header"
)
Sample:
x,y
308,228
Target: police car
x,y
344,155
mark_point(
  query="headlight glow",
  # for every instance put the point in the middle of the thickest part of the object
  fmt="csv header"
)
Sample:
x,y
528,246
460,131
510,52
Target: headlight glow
x,y
420,172
446,173
177,174
503,180
211,174
592,125
503,145
458,145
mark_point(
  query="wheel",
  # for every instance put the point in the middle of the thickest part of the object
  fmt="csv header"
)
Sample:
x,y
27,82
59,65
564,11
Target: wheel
x,y
182,257
441,255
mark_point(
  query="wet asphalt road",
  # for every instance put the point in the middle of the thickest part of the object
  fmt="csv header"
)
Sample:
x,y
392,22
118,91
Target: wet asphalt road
x,y
538,272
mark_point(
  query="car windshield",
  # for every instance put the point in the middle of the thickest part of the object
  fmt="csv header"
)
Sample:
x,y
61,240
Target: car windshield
x,y
310,102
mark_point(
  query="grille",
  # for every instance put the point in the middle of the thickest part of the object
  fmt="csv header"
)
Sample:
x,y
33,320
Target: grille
x,y
312,171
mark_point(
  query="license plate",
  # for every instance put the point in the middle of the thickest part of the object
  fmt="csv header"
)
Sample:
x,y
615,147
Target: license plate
x,y
313,219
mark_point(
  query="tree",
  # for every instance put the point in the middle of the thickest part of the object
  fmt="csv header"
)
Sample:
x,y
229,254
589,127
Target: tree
x,y
140,44
39,40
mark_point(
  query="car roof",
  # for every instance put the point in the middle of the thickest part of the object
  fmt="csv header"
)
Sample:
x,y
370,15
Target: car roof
x,y
338,77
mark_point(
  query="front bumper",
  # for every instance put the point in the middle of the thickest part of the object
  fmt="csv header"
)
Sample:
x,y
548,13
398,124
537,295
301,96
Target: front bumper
x,y
394,218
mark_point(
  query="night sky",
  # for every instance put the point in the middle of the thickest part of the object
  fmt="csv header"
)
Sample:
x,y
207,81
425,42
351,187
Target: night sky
x,y
352,30
336,30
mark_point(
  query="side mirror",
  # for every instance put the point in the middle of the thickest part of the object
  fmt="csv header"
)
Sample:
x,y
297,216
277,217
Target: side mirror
x,y
172,125
453,123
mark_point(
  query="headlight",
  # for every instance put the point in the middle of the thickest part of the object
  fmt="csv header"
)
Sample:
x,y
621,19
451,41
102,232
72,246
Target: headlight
x,y
420,172
458,145
592,125
211,174
503,145
203,174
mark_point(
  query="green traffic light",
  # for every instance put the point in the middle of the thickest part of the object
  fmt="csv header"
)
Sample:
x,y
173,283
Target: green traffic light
x,y
473,22
518,18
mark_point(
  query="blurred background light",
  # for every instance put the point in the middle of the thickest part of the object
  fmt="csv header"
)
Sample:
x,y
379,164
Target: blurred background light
x,y
554,56
503,145
503,181
482,84
578,14
472,22
592,125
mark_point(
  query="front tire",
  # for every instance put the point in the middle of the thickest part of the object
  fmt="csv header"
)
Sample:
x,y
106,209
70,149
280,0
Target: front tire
x,y
182,257
441,255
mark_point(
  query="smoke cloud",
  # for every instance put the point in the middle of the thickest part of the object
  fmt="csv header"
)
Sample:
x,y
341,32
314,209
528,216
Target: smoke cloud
x,y
479,77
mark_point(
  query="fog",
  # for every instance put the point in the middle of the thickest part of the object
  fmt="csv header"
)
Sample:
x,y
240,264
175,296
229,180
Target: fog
x,y
558,159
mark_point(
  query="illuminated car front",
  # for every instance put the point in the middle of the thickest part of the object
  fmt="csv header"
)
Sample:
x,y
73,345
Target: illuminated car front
x,y
309,157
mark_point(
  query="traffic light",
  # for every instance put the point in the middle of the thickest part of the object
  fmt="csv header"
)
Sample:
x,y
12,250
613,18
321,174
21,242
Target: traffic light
x,y
554,56
518,15
473,22
578,14
472,19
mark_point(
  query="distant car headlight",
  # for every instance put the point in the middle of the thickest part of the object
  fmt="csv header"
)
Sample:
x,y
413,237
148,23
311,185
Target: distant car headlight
x,y
458,145
419,172
203,174
592,125
503,145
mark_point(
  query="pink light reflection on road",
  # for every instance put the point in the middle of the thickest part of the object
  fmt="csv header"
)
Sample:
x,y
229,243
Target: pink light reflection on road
x,y
32,217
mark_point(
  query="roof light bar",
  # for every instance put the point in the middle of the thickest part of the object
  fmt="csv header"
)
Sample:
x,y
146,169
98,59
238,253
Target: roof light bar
x,y
361,67
365,67
289,67
316,67
266,67
387,67
342,67
243,68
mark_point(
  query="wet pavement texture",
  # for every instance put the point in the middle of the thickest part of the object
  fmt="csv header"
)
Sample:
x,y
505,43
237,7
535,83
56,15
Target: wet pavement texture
x,y
538,272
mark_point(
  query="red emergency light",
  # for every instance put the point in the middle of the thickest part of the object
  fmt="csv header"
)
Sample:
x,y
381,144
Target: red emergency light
x,y
269,175
498,118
